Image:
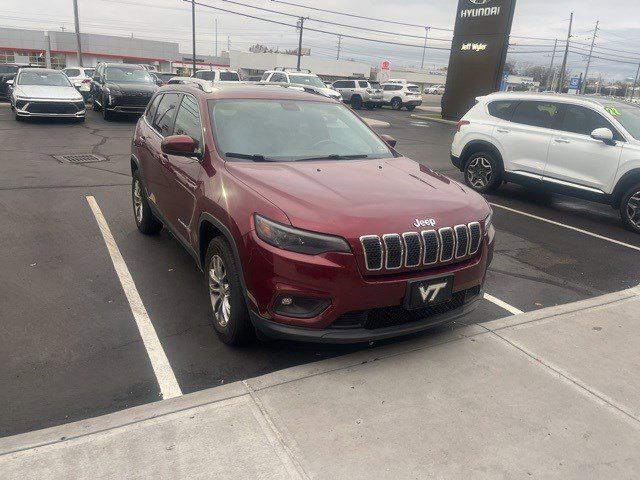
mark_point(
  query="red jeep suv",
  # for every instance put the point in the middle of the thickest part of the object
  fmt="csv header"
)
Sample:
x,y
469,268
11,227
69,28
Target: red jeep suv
x,y
306,223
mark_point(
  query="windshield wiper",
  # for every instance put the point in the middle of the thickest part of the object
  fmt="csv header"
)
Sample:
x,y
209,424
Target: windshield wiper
x,y
334,156
256,157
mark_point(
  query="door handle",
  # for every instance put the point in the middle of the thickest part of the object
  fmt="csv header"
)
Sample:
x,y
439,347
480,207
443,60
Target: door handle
x,y
562,140
502,130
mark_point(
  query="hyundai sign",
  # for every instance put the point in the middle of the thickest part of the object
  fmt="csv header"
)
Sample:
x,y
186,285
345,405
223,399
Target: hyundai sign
x,y
478,53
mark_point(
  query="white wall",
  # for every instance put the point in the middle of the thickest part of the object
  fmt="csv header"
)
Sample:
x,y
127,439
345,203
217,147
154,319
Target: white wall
x,y
268,61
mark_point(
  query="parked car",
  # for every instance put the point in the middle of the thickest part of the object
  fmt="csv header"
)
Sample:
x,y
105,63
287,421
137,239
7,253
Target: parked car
x,y
305,79
8,72
399,95
586,147
119,88
40,92
274,191
253,79
218,75
165,76
435,90
81,78
358,93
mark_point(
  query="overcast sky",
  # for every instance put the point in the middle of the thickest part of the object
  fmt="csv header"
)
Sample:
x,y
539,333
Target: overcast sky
x,y
171,20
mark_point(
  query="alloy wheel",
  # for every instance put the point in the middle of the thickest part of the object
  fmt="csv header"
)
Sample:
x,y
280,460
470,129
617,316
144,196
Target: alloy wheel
x,y
633,209
137,201
219,291
479,172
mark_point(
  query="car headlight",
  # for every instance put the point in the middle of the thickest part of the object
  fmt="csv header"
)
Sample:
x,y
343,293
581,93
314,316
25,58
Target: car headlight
x,y
488,220
294,240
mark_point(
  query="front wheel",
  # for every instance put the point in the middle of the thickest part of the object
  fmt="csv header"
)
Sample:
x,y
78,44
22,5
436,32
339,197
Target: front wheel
x,y
630,208
370,106
396,103
146,221
482,172
229,311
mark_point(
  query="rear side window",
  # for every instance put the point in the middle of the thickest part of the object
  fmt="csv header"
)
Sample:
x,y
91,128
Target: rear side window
x,y
340,84
209,76
229,77
279,77
363,84
265,75
413,88
537,114
503,110
188,120
166,114
152,109
72,72
583,120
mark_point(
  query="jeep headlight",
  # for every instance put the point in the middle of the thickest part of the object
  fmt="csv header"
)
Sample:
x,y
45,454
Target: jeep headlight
x,y
295,240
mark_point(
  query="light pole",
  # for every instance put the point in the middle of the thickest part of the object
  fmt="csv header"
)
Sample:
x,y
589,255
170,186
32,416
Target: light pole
x,y
424,48
566,54
193,35
586,72
300,41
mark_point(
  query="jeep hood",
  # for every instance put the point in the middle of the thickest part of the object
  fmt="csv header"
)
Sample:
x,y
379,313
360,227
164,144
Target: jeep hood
x,y
361,197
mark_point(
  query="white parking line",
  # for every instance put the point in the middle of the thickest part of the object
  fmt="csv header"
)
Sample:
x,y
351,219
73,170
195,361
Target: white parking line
x,y
164,374
509,308
575,229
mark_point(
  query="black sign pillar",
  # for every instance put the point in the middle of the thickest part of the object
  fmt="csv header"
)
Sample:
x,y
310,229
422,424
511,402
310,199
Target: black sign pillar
x,y
478,53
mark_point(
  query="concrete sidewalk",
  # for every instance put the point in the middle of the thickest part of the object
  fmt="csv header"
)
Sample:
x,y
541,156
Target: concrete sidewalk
x,y
548,394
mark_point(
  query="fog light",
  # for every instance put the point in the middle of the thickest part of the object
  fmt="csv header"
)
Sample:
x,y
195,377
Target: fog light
x,y
300,307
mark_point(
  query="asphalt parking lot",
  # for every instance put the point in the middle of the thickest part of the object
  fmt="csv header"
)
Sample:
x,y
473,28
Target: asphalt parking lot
x,y
71,348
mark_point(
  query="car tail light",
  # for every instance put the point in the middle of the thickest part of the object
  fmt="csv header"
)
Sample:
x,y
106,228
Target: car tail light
x,y
86,80
462,123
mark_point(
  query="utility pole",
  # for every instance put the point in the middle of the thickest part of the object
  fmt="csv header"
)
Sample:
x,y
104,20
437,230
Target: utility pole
x,y
228,43
76,19
566,55
216,37
193,35
586,72
553,59
424,48
635,83
339,44
301,26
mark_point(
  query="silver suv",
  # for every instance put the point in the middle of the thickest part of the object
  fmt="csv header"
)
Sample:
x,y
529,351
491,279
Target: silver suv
x,y
359,93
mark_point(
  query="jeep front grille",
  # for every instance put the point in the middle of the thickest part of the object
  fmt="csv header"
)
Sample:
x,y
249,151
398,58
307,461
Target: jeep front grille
x,y
413,249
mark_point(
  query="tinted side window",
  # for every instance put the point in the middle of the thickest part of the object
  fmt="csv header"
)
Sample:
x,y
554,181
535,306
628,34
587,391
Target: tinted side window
x,y
362,84
583,120
537,114
265,75
503,110
210,76
152,109
279,77
339,84
166,114
188,120
350,84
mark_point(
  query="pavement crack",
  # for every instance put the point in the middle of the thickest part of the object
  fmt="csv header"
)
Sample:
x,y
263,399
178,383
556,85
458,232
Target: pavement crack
x,y
548,281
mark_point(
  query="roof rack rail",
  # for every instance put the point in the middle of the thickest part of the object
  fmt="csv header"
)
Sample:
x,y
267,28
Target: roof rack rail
x,y
293,86
292,69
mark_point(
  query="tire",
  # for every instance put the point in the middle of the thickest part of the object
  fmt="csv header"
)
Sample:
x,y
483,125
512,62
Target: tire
x,y
145,220
476,175
630,208
106,114
229,313
396,103
19,118
411,108
356,102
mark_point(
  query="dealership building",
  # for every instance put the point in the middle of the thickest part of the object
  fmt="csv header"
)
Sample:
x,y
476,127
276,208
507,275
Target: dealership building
x,y
57,49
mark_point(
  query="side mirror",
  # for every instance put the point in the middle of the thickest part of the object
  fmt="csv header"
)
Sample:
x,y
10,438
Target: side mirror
x,y
181,145
389,140
604,135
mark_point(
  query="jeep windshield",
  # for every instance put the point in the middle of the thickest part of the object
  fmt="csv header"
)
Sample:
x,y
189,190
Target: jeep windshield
x,y
628,116
127,75
291,130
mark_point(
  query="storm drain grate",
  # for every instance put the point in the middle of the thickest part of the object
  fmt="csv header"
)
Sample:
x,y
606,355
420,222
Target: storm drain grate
x,y
80,158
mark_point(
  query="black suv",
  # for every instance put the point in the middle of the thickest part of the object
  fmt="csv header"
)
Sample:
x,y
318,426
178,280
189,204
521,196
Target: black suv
x,y
121,88
8,71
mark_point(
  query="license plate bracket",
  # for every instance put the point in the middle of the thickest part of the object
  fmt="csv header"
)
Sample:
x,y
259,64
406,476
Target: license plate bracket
x,y
428,292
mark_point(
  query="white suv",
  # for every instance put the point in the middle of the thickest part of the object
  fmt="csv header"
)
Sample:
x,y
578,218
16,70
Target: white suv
x,y
305,79
400,95
217,75
81,78
587,147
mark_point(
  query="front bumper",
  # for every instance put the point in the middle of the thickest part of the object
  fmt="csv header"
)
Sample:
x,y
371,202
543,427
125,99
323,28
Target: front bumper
x,y
49,108
271,273
127,103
